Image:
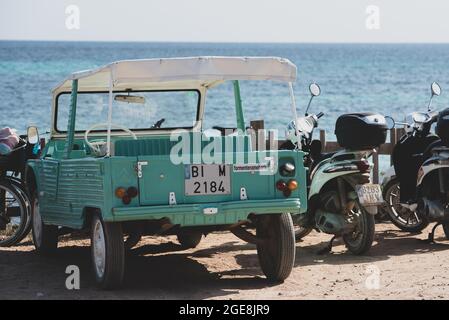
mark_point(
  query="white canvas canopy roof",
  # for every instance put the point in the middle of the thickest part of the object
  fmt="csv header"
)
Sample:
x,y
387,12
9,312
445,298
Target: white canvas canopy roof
x,y
185,72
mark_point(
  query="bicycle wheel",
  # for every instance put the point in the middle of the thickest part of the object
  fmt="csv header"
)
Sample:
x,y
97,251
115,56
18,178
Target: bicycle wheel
x,y
13,214
26,198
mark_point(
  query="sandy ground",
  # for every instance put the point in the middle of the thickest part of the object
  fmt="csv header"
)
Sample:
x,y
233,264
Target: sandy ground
x,y
399,266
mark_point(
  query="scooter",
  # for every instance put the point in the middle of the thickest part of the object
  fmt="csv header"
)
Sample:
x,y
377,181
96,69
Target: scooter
x,y
341,199
431,171
401,216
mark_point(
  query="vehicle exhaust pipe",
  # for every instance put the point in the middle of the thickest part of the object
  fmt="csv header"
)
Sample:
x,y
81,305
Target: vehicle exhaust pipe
x,y
332,223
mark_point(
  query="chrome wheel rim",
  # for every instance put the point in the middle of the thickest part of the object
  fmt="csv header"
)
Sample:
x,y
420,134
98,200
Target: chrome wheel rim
x,y
99,249
402,215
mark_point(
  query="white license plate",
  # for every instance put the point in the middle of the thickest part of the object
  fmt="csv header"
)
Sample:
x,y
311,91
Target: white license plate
x,y
369,194
207,179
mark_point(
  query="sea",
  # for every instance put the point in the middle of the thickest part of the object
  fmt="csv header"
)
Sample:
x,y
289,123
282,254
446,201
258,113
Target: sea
x,y
391,79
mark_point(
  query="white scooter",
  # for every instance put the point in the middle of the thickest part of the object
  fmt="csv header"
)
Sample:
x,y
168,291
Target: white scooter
x,y
341,199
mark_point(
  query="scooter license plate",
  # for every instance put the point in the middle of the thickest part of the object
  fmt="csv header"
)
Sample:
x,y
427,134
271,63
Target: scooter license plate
x,y
369,194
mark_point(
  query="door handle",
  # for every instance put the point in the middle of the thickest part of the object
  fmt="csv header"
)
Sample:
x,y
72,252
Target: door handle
x,y
139,166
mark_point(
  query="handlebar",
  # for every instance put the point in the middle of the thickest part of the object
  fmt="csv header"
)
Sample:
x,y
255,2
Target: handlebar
x,y
433,116
319,115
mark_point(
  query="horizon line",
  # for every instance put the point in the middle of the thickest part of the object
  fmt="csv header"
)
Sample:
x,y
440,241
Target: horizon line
x,y
218,42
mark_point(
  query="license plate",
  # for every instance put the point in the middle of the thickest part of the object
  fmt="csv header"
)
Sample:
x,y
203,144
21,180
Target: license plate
x,y
207,179
369,194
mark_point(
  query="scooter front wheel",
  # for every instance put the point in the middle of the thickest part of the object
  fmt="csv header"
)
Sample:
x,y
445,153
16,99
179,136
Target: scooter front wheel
x,y
360,240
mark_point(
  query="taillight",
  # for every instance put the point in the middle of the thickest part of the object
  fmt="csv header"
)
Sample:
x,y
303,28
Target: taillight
x,y
292,185
287,187
120,192
132,192
363,165
126,194
281,185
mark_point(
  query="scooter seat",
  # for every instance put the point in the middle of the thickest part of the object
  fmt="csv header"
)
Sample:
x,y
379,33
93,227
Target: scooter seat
x,y
322,156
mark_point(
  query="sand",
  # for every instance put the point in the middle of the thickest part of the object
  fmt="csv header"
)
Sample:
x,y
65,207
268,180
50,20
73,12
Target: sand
x,y
398,266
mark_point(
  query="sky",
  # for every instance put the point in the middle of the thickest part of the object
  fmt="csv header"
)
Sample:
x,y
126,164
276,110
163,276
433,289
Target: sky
x,y
352,21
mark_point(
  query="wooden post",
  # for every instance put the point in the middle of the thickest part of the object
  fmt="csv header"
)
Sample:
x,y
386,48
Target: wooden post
x,y
393,140
323,139
376,167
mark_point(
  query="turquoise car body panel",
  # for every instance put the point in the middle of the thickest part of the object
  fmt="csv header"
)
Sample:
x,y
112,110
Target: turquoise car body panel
x,y
70,180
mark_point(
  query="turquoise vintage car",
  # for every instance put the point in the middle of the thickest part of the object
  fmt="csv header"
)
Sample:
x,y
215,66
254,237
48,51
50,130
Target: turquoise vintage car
x,y
128,156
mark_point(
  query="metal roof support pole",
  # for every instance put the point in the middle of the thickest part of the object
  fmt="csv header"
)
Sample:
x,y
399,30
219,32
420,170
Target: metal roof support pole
x,y
238,106
108,141
295,115
71,123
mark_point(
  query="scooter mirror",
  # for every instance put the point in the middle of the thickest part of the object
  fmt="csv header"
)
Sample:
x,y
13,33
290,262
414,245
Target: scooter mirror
x,y
436,89
390,122
314,89
32,135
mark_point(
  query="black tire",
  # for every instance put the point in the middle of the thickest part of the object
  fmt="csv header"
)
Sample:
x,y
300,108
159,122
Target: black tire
x,y
277,250
27,200
132,240
20,207
401,217
446,229
301,232
189,240
361,240
45,237
108,253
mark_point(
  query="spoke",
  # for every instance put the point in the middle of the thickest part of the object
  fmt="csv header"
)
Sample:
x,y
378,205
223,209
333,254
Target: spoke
x,y
416,216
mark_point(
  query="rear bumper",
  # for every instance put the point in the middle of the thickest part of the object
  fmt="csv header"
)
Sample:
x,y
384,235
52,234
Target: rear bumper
x,y
193,214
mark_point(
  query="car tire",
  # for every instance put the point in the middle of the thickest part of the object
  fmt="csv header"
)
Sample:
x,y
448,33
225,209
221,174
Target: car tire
x,y
276,250
108,253
132,240
189,240
45,237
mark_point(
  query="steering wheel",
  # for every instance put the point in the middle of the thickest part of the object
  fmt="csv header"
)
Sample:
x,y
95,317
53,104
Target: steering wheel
x,y
96,146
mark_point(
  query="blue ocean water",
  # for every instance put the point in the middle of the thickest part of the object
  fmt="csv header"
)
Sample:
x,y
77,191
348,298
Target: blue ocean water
x,y
392,79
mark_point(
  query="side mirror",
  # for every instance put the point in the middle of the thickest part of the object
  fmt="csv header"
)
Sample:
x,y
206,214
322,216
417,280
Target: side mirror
x,y
32,135
390,122
314,89
435,88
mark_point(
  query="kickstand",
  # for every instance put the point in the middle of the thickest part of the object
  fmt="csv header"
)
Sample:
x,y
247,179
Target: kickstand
x,y
328,248
431,237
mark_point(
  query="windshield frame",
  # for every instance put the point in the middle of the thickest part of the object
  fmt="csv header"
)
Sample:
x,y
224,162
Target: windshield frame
x,y
63,132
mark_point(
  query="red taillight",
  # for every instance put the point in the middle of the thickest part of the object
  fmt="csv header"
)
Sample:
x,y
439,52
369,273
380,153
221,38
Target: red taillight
x,y
363,166
132,192
281,185
287,187
126,199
